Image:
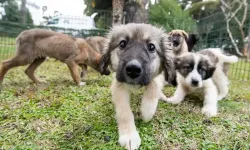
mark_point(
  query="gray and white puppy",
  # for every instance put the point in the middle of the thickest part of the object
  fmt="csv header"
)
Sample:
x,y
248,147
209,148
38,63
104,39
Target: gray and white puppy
x,y
202,70
136,53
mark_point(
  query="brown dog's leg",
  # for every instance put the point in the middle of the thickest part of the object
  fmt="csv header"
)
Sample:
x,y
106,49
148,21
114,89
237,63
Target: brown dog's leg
x,y
31,69
73,67
7,65
84,70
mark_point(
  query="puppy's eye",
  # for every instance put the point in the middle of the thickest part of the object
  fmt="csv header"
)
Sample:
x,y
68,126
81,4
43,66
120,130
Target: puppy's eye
x,y
151,47
187,67
123,44
203,70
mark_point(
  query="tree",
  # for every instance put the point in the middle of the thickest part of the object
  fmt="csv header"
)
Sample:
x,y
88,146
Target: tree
x,y
201,9
230,10
23,12
12,12
136,11
133,11
169,13
103,19
117,11
248,45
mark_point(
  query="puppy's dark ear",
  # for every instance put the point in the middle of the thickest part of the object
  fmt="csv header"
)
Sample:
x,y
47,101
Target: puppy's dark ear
x,y
209,72
177,62
184,34
104,63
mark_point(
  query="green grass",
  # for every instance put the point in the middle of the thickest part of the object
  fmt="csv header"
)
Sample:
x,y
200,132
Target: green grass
x,y
60,115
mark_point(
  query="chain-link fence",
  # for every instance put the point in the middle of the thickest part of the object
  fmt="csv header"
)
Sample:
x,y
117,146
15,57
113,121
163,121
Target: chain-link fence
x,y
211,31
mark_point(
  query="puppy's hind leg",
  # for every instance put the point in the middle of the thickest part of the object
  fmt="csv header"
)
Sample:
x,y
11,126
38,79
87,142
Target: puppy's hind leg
x,y
128,135
8,64
32,67
221,81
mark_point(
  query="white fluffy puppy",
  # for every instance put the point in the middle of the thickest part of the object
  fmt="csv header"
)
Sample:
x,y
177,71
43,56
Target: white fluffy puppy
x,y
202,70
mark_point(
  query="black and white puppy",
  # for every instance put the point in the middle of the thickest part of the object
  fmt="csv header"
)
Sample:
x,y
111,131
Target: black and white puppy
x,y
202,70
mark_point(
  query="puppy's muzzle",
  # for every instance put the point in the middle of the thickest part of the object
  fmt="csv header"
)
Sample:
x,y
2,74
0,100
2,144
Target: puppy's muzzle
x,y
107,72
195,82
133,69
176,42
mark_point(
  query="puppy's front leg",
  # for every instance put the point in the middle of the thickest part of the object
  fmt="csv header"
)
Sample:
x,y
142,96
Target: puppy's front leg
x,y
179,95
150,98
128,136
210,101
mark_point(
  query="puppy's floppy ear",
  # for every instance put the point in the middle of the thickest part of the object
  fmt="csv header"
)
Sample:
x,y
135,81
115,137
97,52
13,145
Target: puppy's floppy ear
x,y
104,63
184,34
210,71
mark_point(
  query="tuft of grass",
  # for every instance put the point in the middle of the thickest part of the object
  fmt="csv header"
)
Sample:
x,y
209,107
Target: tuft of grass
x,y
60,115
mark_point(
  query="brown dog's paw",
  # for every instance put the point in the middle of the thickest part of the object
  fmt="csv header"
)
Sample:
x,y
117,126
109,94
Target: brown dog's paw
x,y
82,84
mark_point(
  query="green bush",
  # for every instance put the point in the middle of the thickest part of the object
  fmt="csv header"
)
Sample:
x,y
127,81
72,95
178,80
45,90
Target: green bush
x,y
169,14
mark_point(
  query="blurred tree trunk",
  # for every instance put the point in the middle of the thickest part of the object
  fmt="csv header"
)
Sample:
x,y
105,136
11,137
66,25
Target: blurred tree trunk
x,y
117,11
248,45
23,12
144,11
137,11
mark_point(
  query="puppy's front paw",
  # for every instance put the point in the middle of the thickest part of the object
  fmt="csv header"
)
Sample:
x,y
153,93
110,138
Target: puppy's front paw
x,y
209,111
220,97
130,141
173,100
82,83
162,97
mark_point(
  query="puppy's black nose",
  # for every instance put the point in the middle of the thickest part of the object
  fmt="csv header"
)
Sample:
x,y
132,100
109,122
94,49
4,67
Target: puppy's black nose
x,y
107,72
195,82
175,42
133,69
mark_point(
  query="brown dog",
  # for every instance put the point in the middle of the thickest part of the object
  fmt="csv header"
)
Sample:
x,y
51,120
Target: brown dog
x,y
98,44
33,46
179,38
